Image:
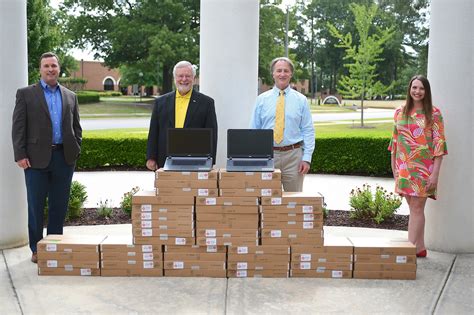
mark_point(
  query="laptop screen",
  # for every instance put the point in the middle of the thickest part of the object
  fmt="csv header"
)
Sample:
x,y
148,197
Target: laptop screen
x,y
244,143
196,142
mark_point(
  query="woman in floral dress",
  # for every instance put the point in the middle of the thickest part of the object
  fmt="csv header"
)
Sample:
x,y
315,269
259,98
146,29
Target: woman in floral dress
x,y
417,146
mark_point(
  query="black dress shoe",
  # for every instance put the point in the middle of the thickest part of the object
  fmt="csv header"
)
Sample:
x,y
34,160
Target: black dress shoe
x,y
34,257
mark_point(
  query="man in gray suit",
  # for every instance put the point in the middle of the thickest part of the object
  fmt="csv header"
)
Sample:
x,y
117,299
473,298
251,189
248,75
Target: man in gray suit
x,y
47,140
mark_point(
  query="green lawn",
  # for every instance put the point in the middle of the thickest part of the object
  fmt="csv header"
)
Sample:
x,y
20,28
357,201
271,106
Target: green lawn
x,y
111,109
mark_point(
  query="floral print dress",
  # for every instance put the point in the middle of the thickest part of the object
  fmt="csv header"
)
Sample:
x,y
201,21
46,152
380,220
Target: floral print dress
x,y
415,146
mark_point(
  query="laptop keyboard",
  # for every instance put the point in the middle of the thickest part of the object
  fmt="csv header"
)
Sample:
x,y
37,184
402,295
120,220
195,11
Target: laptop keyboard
x,y
249,163
189,162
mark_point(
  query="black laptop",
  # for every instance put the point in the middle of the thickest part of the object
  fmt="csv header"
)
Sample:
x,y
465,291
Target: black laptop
x,y
189,149
250,150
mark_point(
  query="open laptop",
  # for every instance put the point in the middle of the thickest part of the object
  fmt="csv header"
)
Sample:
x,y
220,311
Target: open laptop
x,y
189,149
250,150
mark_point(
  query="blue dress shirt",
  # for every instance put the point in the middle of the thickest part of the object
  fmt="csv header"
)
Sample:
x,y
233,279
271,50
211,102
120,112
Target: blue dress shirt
x,y
55,106
298,121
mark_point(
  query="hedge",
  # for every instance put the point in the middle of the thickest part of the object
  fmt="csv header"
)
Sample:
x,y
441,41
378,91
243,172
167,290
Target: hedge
x,y
87,97
357,156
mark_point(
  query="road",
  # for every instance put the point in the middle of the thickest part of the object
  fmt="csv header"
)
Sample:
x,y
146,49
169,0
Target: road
x,y
144,122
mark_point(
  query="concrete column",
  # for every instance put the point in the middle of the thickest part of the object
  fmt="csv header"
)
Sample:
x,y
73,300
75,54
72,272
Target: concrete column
x,y
450,219
229,63
13,62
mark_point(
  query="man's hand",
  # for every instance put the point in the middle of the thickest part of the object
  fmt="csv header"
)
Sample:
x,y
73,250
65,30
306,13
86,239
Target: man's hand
x,y
24,163
151,165
304,167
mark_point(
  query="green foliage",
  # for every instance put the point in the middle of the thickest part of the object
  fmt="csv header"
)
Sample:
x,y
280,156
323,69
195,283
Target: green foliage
x,y
378,207
77,198
84,97
126,203
104,209
73,84
109,94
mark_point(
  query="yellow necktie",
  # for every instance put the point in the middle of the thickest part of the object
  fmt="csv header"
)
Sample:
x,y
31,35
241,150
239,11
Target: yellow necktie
x,y
279,118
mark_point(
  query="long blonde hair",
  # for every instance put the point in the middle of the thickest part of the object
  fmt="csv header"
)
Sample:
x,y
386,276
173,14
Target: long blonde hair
x,y
427,101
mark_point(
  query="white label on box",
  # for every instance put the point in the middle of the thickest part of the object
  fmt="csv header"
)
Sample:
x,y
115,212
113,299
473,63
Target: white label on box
x,y
307,209
162,218
202,175
275,233
146,208
401,259
305,257
336,273
52,263
291,222
322,260
258,267
211,249
211,241
305,265
203,192
178,265
228,203
163,210
210,201
292,214
147,248
51,247
226,235
228,243
164,237
210,233
292,235
242,250
146,216
86,271
130,246
242,266
186,189
385,256
259,252
186,173
290,206
308,225
180,241
148,265
146,224
249,189
131,262
163,227
195,268
68,267
147,256
266,192
147,232
275,201
267,176
321,268
241,273
131,254
249,173
308,217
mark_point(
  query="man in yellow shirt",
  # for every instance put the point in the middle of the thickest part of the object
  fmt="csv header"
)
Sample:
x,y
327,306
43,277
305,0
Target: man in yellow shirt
x,y
183,108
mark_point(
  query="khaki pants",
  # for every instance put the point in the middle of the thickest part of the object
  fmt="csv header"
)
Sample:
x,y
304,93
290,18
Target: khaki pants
x,y
288,162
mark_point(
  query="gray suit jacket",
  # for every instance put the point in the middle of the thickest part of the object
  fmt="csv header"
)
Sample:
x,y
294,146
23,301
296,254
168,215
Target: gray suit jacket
x,y
32,130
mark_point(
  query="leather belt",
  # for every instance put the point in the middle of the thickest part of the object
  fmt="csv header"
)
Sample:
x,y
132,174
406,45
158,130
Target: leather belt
x,y
58,146
288,147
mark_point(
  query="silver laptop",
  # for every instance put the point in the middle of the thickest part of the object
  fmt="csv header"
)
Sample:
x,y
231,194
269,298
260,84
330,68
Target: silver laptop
x,y
189,150
250,150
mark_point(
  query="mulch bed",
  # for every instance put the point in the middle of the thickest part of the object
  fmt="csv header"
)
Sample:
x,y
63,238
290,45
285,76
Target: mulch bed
x,y
334,218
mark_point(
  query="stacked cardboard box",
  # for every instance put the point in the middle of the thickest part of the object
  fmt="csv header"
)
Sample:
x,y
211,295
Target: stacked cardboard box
x,y
69,255
376,258
195,261
119,257
332,260
249,184
167,220
227,221
186,183
258,261
293,219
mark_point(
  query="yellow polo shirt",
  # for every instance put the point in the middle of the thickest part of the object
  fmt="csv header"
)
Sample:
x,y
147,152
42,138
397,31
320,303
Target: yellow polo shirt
x,y
181,108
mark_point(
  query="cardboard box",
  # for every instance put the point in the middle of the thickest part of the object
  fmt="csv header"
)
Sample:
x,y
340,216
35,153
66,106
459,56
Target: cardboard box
x,y
322,257
164,225
77,264
162,233
192,192
70,243
381,246
132,272
227,201
194,265
167,175
159,183
227,217
158,208
68,272
385,267
316,209
243,265
283,217
158,216
195,257
124,244
244,184
163,240
291,225
259,250
386,259
292,241
254,258
195,273
74,256
258,273
250,192
294,198
307,265
227,224
226,209
227,233
335,274
131,264
264,176
396,275
292,233
123,256
236,241
149,197
195,249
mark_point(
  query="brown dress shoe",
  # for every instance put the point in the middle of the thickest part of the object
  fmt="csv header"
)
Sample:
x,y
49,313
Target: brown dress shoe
x,y
34,258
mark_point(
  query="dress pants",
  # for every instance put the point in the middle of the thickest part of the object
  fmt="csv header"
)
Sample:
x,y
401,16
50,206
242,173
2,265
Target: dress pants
x,y
288,162
53,182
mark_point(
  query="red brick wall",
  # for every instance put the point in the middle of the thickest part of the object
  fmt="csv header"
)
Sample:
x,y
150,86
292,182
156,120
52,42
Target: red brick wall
x,y
95,73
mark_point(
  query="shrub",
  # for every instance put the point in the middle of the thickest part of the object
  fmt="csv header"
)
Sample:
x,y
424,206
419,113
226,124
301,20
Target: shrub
x,y
77,198
104,209
126,203
84,97
109,93
378,207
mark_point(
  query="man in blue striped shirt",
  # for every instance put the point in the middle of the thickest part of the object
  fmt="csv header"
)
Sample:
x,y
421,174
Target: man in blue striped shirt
x,y
287,112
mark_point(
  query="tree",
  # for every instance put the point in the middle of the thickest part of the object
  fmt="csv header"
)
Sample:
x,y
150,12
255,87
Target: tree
x,y
361,81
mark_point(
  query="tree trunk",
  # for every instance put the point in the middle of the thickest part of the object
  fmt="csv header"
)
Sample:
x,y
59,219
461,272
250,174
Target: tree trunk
x,y
167,79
